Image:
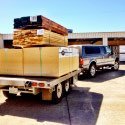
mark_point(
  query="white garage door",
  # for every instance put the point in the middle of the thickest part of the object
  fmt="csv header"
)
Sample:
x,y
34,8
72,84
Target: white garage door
x,y
122,53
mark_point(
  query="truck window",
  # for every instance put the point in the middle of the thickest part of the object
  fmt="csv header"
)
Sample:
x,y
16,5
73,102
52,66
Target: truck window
x,y
92,50
108,50
103,50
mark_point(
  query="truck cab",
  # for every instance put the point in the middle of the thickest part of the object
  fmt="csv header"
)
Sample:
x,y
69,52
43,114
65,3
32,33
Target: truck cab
x,y
94,57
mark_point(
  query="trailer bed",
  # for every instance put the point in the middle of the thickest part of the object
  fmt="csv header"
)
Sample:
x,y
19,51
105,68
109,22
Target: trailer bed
x,y
48,81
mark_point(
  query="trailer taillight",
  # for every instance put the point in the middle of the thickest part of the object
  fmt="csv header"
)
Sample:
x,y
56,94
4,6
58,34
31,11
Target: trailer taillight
x,y
81,61
34,84
41,84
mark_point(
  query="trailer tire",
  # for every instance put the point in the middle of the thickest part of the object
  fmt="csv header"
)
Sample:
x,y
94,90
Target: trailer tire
x,y
57,94
66,87
8,95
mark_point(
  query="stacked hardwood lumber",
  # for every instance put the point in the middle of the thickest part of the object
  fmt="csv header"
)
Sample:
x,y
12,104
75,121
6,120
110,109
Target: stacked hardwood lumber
x,y
39,22
39,61
38,31
32,37
45,55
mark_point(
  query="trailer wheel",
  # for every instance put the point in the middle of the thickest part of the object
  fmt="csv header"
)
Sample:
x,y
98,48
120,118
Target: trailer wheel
x,y
57,94
66,87
8,95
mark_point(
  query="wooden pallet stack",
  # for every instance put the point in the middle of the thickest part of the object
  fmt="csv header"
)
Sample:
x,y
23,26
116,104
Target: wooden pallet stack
x,y
38,31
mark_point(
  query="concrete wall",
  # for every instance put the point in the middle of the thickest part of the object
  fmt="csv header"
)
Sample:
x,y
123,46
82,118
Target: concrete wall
x,y
1,41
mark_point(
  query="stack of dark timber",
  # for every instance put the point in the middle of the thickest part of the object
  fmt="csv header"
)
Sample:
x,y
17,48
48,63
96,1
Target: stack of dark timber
x,y
38,30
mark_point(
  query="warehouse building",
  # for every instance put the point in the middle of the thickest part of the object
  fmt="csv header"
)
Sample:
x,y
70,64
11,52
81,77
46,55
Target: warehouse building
x,y
116,40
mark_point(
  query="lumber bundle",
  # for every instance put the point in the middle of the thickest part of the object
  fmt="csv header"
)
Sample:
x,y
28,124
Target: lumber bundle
x,y
11,62
38,31
37,37
39,22
39,61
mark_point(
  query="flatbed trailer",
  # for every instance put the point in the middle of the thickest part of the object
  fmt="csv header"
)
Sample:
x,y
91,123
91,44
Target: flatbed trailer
x,y
49,88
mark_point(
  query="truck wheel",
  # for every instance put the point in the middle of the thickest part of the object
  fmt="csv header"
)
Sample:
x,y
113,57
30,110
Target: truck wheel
x,y
92,70
8,95
116,66
57,94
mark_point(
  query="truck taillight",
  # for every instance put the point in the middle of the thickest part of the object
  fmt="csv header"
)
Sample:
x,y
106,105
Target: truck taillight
x,y
81,61
41,84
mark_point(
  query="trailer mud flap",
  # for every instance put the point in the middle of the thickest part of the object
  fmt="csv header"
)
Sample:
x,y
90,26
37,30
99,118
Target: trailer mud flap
x,y
46,94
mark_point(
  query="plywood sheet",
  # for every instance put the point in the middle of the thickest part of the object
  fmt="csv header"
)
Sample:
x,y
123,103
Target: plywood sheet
x,y
50,61
32,63
11,61
39,61
2,61
75,58
64,63
14,63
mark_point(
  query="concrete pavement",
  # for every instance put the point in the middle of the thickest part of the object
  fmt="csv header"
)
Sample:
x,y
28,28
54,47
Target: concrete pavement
x,y
96,101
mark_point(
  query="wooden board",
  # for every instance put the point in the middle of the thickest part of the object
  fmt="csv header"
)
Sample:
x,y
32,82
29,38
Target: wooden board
x,y
11,61
2,61
32,62
35,37
53,61
39,22
38,61
75,58
50,61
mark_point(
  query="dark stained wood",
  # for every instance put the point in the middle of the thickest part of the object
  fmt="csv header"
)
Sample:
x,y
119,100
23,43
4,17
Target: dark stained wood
x,y
42,22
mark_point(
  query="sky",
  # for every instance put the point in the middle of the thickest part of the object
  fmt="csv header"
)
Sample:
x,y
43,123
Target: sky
x,y
79,15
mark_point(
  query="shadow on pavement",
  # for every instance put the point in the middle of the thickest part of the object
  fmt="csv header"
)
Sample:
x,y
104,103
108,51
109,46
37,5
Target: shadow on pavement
x,y
84,107
103,76
29,106
80,107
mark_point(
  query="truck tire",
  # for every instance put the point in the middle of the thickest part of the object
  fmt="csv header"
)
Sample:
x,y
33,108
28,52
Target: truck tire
x,y
116,66
92,70
8,95
57,94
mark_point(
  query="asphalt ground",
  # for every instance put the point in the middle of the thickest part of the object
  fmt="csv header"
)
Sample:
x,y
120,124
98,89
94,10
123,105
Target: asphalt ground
x,y
95,101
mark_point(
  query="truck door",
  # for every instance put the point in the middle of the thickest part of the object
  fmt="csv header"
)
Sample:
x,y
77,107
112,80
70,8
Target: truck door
x,y
108,56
